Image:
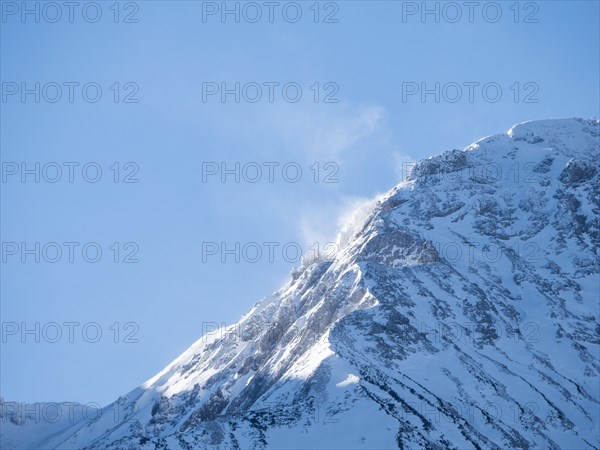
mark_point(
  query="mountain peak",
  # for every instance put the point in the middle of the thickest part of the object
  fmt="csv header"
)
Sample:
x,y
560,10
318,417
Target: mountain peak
x,y
460,312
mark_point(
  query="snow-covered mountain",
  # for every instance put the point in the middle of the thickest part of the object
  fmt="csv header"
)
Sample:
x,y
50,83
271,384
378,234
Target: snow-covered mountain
x,y
28,426
461,311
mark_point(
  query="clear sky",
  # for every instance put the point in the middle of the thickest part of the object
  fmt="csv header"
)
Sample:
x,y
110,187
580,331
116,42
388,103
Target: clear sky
x,y
373,57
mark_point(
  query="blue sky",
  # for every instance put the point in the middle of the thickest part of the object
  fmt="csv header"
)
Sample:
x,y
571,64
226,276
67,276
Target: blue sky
x,y
370,57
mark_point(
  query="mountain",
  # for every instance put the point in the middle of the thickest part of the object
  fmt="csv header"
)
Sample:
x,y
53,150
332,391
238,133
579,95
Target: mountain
x,y
461,311
29,425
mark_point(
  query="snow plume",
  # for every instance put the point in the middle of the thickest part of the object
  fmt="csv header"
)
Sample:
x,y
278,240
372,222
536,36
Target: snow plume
x,y
328,231
352,219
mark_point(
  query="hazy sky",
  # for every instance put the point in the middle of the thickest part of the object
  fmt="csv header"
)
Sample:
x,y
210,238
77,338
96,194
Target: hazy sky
x,y
141,100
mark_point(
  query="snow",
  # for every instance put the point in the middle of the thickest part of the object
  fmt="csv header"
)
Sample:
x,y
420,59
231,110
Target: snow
x,y
350,379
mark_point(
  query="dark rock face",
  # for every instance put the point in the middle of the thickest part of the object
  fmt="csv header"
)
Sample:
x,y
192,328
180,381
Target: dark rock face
x,y
577,172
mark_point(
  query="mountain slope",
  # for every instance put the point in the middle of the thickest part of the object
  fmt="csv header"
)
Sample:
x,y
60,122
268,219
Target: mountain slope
x,y
29,425
461,312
